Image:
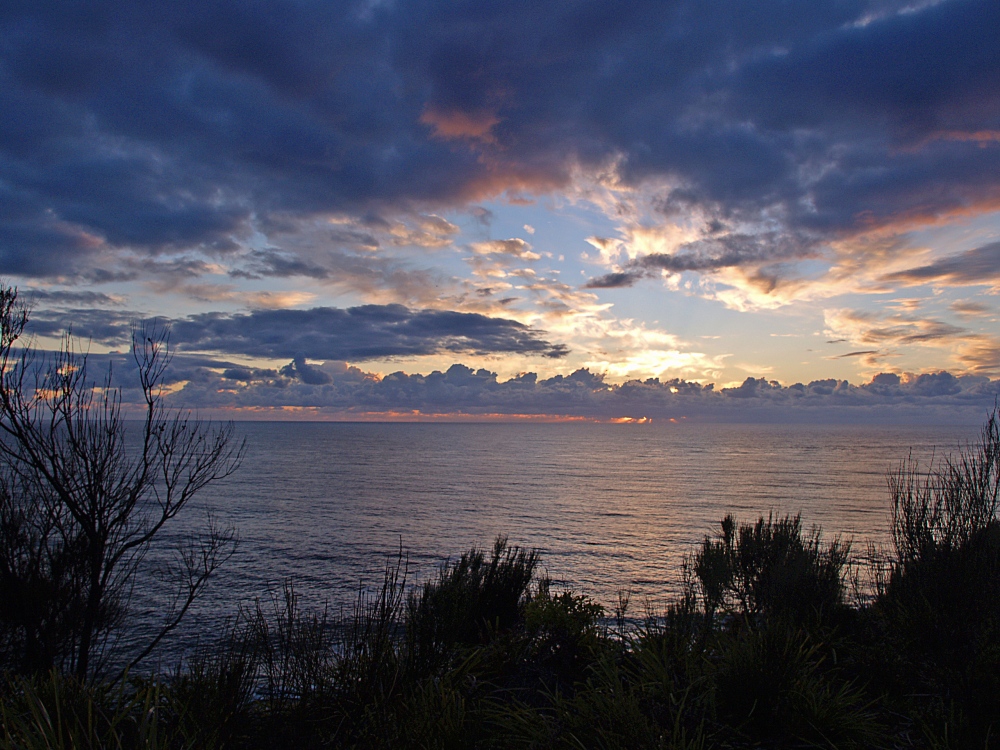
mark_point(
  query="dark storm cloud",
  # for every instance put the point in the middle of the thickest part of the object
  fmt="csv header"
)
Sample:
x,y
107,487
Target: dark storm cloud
x,y
320,333
161,126
357,333
978,266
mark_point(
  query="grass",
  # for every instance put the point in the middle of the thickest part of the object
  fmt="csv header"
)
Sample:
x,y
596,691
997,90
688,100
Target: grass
x,y
764,647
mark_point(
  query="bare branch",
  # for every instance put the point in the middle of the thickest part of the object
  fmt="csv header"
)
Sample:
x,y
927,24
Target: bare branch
x,y
65,444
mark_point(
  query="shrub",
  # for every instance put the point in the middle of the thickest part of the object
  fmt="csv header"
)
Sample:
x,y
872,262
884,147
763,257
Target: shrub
x,y
771,685
943,508
469,602
937,616
768,569
564,632
930,634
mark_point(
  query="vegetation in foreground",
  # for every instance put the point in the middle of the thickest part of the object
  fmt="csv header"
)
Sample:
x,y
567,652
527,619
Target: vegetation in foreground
x,y
779,640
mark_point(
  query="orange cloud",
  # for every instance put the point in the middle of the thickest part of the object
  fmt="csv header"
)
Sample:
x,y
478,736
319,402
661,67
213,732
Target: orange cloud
x,y
456,124
926,214
981,137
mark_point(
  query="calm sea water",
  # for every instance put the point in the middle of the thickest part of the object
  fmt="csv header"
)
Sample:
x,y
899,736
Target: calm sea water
x,y
610,507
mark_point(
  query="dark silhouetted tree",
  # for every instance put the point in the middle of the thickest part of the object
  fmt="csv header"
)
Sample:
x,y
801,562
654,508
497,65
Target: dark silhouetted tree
x,y
84,494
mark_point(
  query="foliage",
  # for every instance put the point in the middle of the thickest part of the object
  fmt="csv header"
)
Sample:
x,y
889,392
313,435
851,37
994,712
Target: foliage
x,y
944,508
768,569
60,713
469,602
565,633
940,605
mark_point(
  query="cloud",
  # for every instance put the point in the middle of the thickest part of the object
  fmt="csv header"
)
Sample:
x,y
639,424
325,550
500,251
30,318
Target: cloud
x,y
980,356
857,354
298,368
514,247
347,392
357,333
63,298
456,124
967,309
711,254
320,333
190,128
108,327
973,267
274,263
615,280
968,350
335,389
876,328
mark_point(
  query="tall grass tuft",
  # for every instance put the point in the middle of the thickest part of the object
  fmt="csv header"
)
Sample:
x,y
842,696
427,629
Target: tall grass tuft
x,y
55,712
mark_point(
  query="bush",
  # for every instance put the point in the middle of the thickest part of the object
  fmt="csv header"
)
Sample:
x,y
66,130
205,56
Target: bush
x,y
944,508
759,650
937,617
564,632
773,684
469,602
768,570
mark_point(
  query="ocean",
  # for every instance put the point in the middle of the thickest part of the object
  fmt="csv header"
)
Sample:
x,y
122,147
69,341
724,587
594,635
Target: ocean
x,y
610,507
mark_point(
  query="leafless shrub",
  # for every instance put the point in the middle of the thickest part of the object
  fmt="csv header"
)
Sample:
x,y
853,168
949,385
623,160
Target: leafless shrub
x,y
83,497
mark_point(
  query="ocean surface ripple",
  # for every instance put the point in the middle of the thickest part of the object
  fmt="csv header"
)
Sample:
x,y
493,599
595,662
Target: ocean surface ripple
x,y
610,507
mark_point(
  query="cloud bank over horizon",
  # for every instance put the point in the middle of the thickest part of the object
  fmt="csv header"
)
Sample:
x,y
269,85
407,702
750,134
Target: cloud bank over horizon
x,y
339,391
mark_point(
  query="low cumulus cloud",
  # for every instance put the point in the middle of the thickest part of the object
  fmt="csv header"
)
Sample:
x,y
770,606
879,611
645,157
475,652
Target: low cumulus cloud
x,y
344,391
339,390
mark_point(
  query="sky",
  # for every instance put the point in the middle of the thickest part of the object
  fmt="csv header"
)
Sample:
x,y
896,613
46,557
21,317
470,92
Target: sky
x,y
557,209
